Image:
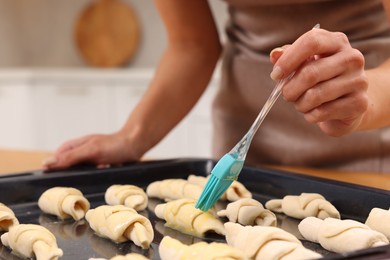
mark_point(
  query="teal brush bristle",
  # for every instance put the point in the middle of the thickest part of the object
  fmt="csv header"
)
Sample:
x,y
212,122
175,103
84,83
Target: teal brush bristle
x,y
223,174
213,190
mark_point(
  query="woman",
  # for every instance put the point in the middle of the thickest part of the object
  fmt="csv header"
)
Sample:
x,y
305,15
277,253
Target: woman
x,y
335,108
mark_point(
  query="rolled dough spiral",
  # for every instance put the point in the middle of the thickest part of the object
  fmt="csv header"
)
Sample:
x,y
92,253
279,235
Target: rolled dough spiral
x,y
64,202
128,195
120,223
29,240
304,205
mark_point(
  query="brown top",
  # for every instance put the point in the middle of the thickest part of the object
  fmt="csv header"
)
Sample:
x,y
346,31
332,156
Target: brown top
x,y
254,29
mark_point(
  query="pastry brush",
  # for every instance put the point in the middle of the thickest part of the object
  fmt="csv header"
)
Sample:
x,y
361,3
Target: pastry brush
x,y
230,165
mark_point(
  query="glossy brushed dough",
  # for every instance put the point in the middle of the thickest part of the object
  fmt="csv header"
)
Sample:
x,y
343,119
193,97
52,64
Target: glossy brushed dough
x,y
120,223
173,249
7,218
248,212
64,202
29,240
183,216
129,195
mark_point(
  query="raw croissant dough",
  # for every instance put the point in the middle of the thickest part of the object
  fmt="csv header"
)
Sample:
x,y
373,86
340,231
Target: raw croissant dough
x,y
64,202
304,205
7,218
173,189
248,212
235,191
259,242
340,236
128,195
379,220
183,216
30,240
172,249
131,256
120,223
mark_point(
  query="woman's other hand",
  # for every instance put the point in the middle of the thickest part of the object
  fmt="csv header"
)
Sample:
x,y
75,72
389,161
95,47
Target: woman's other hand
x,y
329,85
99,149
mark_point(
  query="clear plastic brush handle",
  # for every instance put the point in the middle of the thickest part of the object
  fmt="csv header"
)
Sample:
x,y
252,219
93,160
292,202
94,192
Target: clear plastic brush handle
x,y
241,149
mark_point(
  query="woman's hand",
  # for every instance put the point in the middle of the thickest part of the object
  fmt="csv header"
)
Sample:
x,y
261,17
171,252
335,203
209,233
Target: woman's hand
x,y
329,85
98,149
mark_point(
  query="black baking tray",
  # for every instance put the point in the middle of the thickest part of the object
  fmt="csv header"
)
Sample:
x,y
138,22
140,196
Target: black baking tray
x,y
21,192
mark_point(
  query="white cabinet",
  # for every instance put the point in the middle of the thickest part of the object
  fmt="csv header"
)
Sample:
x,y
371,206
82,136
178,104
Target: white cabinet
x,y
41,109
192,137
65,111
16,116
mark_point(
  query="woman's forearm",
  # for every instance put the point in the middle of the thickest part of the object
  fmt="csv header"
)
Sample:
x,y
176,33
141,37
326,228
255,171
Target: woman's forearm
x,y
182,75
180,80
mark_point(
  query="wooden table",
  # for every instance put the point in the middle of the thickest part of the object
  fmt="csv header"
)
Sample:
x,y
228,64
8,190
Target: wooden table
x,y
13,161
371,179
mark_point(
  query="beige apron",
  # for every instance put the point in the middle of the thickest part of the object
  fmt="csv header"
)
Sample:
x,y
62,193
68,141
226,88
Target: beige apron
x,y
254,29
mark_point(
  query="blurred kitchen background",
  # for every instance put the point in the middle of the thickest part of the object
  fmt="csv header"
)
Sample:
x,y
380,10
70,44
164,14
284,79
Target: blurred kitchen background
x,y
53,88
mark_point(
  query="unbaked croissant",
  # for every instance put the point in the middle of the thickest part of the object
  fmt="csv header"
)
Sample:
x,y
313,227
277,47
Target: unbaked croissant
x,y
248,212
7,218
235,191
258,242
173,189
304,205
183,216
172,249
131,256
29,240
379,220
120,223
128,195
64,202
340,236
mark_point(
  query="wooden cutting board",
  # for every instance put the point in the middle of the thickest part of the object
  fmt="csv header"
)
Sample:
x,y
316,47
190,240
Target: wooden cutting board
x,y
107,33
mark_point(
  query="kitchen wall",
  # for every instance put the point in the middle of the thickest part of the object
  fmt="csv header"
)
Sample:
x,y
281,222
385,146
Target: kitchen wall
x,y
40,33
49,95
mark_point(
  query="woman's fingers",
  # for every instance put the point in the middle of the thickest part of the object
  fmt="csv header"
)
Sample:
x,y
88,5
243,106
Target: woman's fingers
x,y
71,144
70,153
276,53
74,156
101,150
310,74
345,115
329,85
343,109
314,42
327,91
